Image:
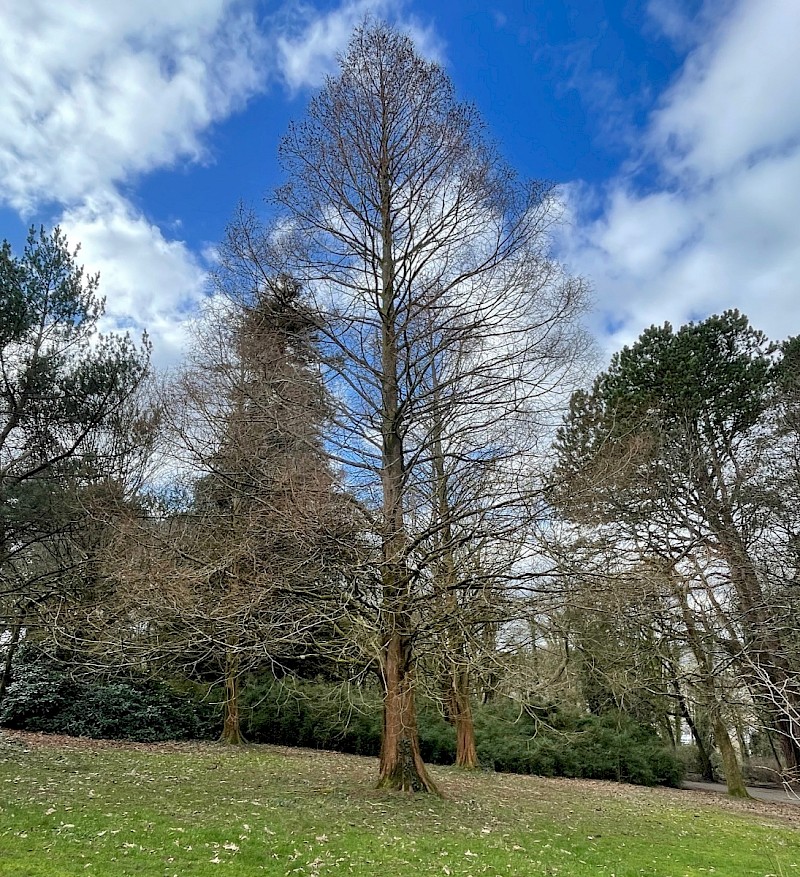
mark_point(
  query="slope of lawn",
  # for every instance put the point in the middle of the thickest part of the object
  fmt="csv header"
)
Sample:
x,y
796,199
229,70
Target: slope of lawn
x,y
70,807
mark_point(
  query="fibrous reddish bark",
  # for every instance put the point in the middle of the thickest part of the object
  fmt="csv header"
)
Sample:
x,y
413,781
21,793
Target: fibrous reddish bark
x,y
459,711
401,764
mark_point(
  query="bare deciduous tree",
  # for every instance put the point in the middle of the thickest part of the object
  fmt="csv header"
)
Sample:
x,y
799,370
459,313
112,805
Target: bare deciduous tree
x,y
250,572
445,326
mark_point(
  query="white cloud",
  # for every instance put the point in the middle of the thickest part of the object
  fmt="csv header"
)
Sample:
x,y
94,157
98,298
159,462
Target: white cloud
x,y
96,92
673,19
720,230
737,95
310,42
307,52
157,284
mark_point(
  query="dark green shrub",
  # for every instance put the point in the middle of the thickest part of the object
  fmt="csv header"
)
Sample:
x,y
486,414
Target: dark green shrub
x,y
42,697
320,715
548,743
561,744
437,737
317,715
510,755
545,742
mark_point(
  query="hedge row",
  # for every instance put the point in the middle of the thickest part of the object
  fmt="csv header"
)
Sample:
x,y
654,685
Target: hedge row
x,y
323,716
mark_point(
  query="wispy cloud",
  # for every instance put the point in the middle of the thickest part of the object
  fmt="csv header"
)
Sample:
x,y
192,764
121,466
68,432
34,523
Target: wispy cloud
x,y
308,42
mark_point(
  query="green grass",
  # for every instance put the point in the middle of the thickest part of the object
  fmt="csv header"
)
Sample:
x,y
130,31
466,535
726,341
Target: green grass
x,y
205,810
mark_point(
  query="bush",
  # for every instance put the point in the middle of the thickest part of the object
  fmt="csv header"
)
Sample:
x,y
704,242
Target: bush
x,y
609,747
320,715
43,698
317,715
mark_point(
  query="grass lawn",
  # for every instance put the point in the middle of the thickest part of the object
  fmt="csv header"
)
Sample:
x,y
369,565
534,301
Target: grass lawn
x,y
88,808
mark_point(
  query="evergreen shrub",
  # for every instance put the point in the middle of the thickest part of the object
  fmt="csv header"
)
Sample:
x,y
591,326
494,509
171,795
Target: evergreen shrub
x,y
316,715
43,697
609,747
325,716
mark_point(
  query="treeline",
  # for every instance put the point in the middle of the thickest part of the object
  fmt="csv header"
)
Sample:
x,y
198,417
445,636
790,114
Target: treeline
x,y
353,504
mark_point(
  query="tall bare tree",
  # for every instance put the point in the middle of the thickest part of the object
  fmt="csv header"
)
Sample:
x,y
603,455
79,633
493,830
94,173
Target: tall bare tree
x,y
445,324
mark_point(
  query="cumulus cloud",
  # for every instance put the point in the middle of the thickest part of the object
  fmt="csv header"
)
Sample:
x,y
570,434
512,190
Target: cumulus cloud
x,y
97,92
152,284
735,102
718,229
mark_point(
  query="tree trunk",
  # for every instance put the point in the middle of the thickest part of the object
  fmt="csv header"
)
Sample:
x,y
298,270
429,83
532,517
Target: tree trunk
x,y
11,648
733,773
677,727
790,742
730,764
668,721
459,712
745,753
706,767
401,765
231,728
457,705
773,677
775,753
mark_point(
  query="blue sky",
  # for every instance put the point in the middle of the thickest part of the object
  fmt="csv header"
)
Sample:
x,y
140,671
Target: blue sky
x,y
673,127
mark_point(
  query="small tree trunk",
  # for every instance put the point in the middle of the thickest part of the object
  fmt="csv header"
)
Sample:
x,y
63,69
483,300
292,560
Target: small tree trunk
x,y
668,722
231,728
706,767
11,648
466,750
775,753
459,712
789,738
401,765
733,772
489,688
745,753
